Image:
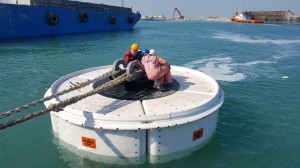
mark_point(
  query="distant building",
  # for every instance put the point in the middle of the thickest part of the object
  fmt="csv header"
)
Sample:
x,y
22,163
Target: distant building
x,y
152,17
276,17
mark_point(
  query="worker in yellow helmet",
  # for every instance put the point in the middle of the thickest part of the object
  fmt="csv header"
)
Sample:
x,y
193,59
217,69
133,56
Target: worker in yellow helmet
x,y
133,53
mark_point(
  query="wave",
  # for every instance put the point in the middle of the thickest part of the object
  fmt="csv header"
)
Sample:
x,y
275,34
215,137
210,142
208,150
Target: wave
x,y
226,69
246,39
254,63
286,53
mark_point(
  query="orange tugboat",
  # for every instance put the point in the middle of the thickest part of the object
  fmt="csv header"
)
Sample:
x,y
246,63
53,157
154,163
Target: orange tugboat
x,y
245,17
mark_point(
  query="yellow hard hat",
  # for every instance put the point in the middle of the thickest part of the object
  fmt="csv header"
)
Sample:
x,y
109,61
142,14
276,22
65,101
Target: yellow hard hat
x,y
135,47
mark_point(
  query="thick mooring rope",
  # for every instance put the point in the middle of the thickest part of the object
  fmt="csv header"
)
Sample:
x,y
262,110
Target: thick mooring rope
x,y
74,87
59,106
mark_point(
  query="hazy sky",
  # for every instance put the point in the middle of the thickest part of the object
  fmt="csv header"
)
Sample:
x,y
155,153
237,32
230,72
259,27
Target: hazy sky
x,y
199,8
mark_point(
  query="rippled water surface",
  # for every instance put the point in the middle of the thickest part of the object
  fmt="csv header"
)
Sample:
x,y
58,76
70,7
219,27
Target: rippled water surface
x,y
257,66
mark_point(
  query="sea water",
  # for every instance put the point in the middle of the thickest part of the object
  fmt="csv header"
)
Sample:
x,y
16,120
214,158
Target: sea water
x,y
257,65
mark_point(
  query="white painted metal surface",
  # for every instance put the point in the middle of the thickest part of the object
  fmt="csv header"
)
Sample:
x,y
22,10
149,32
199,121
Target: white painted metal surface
x,y
125,129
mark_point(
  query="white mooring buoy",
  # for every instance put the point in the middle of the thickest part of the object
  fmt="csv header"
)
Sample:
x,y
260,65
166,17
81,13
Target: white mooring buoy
x,y
109,129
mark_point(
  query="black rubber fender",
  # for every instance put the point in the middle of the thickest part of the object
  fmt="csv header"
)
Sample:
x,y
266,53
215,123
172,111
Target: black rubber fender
x,y
130,19
53,18
83,17
112,20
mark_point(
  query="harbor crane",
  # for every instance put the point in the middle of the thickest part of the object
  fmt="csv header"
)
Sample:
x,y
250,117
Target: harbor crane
x,y
180,16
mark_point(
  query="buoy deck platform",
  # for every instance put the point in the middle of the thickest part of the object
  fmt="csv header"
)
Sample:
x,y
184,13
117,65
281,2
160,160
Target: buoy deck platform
x,y
106,126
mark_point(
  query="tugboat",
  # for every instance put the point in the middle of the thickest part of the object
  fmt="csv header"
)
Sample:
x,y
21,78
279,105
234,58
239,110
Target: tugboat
x,y
244,17
126,122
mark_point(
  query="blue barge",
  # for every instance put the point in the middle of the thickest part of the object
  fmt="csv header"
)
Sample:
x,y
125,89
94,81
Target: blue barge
x,y
53,17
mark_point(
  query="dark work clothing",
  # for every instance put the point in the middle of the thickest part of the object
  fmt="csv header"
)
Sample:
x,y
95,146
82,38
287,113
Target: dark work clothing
x,y
128,57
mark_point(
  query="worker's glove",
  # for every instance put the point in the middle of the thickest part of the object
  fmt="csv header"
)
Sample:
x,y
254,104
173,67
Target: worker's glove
x,y
121,66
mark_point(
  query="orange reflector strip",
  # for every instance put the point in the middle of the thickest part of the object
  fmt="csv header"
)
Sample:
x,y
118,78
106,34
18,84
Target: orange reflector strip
x,y
197,134
89,142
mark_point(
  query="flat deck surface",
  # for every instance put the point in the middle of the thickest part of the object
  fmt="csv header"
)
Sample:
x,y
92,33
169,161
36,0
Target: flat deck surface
x,y
191,90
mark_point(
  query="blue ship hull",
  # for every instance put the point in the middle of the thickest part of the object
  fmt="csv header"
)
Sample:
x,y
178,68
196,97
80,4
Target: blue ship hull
x,y
28,20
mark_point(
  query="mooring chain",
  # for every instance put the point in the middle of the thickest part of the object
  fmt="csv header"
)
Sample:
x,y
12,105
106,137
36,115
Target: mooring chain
x,y
59,106
72,88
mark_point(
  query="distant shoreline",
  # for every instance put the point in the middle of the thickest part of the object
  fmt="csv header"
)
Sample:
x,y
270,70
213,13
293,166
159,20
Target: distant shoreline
x,y
217,19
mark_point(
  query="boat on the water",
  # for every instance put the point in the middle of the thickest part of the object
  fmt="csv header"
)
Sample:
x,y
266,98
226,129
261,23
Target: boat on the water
x,y
130,123
52,17
245,17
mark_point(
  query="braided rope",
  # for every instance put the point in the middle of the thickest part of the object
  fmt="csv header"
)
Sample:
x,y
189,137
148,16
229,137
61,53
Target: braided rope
x,y
74,87
59,106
